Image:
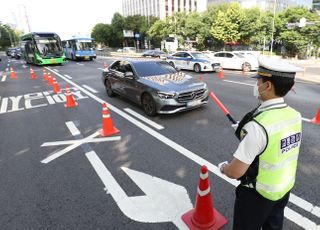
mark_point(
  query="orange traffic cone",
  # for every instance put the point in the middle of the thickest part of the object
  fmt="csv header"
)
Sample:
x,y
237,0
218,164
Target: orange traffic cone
x,y
56,88
107,126
45,76
50,79
220,74
70,100
204,216
200,78
12,73
316,119
105,65
32,74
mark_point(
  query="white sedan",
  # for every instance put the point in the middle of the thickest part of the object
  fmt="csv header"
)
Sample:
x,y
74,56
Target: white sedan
x,y
230,60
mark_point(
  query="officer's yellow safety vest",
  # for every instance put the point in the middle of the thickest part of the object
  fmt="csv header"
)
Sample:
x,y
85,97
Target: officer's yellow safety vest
x,y
278,162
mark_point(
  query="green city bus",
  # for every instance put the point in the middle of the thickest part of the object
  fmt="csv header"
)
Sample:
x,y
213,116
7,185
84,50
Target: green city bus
x,y
42,48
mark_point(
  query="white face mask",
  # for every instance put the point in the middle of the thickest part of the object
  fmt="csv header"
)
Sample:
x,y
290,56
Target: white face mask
x,y
256,91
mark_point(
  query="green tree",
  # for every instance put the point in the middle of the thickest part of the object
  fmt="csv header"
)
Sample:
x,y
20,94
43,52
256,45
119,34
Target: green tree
x,y
226,27
296,40
102,33
117,26
8,37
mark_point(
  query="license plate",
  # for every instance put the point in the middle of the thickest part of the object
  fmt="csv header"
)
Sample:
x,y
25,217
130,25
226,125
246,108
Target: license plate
x,y
53,61
86,57
194,103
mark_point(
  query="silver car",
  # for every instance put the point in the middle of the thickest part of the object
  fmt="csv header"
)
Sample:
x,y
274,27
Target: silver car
x,y
155,85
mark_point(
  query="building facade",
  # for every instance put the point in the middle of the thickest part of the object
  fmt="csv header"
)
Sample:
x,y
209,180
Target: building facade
x,y
161,8
267,4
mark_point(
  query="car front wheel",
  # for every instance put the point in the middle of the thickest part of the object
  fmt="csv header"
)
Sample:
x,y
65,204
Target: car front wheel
x,y
148,104
109,90
197,68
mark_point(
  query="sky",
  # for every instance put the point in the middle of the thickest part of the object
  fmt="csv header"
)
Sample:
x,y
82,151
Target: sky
x,y
64,17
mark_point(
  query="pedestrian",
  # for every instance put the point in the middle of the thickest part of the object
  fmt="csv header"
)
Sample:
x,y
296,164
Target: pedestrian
x,y
266,159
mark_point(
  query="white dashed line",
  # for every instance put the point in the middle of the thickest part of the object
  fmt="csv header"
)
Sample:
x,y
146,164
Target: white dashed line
x,y
144,119
240,83
100,68
56,70
72,127
67,76
4,77
90,89
79,64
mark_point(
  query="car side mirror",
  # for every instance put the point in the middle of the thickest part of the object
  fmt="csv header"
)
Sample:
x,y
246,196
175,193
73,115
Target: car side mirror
x,y
129,75
178,69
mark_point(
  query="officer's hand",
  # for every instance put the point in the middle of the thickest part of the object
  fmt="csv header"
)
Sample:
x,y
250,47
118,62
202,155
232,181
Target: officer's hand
x,y
235,126
221,165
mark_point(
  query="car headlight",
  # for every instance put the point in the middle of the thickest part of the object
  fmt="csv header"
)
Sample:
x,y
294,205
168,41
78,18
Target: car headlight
x,y
77,55
166,95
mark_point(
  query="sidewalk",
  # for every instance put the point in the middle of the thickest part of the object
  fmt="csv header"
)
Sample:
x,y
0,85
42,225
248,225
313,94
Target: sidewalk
x,y
311,69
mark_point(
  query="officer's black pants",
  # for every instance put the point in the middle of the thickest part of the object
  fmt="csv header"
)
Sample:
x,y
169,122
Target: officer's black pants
x,y
253,212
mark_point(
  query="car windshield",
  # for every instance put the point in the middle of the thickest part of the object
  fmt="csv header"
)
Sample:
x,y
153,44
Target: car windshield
x,y
48,45
145,69
199,55
84,45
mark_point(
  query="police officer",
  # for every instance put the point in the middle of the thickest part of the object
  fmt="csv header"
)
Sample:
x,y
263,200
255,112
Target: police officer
x,y
266,159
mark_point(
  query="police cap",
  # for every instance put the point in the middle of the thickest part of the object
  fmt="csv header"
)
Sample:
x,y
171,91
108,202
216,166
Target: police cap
x,y
270,67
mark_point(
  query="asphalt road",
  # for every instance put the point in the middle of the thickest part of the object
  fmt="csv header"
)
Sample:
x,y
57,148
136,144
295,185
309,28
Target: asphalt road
x,y
41,189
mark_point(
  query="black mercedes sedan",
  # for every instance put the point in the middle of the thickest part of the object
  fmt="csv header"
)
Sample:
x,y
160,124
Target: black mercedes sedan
x,y
155,85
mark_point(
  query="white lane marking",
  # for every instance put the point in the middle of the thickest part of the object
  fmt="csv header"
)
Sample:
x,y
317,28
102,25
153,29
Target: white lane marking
x,y
300,220
4,77
192,156
307,206
56,70
79,64
67,149
69,142
149,208
144,119
240,83
67,76
90,89
100,68
72,128
306,119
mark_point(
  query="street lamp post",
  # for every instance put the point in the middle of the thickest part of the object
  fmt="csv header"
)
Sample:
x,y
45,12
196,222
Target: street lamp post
x,y
274,13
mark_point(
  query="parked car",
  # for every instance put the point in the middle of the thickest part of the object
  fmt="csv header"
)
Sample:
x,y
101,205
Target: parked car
x,y
9,51
154,53
16,53
155,85
193,60
230,60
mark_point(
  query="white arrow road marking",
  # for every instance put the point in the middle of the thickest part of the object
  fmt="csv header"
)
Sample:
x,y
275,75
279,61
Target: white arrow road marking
x,y
144,119
4,77
82,141
192,156
163,202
